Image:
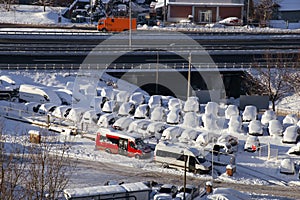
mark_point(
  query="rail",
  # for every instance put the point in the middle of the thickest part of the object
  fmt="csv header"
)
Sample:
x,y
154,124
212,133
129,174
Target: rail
x,y
115,67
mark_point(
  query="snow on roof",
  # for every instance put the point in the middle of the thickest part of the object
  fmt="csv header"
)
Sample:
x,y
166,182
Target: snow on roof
x,y
133,187
94,190
289,5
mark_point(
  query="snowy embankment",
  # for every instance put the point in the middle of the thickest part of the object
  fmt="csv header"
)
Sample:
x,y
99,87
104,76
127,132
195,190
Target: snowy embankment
x,y
34,15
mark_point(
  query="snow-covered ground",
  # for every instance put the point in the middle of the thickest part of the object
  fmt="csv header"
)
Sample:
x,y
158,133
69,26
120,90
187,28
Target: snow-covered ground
x,y
252,168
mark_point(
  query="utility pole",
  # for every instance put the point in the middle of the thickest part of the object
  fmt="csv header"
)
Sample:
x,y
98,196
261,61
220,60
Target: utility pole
x,y
189,77
156,78
130,24
248,10
184,181
165,12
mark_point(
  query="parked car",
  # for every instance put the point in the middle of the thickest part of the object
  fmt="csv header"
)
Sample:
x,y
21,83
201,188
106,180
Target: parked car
x,y
46,108
174,117
156,129
252,144
291,135
107,120
231,110
249,113
155,101
287,166
158,114
267,117
295,149
137,98
126,109
174,103
190,190
191,105
255,128
166,191
122,123
290,119
230,21
142,111
275,128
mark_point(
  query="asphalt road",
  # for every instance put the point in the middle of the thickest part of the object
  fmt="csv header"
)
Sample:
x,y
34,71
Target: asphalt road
x,y
97,173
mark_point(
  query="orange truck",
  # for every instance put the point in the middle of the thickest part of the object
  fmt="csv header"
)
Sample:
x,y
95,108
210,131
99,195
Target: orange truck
x,y
116,24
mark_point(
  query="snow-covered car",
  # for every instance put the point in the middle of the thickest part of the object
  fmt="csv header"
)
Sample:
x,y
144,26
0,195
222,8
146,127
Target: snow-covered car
x,y
231,110
46,108
166,192
291,134
249,113
215,25
191,105
235,124
275,128
268,116
107,92
191,120
107,119
126,109
228,142
255,128
287,166
172,133
61,111
75,114
252,144
174,103
158,114
139,126
174,117
230,21
156,129
142,111
32,107
90,117
190,192
188,135
122,123
137,98
122,96
97,103
295,149
209,122
66,96
109,106
155,101
212,108
290,119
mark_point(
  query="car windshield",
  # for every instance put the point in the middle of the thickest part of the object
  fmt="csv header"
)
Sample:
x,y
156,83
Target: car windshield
x,y
165,190
200,159
140,143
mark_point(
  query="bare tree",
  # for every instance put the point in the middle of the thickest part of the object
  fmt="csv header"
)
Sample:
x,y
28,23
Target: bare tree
x,y
272,79
7,4
12,163
50,168
264,9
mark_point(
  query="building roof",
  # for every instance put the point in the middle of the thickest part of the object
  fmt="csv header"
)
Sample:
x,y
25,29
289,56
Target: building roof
x,y
289,5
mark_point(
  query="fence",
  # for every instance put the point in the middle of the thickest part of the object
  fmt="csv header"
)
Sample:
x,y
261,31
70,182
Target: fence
x,y
265,151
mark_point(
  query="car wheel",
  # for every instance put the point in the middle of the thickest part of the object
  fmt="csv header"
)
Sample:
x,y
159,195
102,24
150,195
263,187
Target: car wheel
x,y
104,30
107,150
137,156
165,165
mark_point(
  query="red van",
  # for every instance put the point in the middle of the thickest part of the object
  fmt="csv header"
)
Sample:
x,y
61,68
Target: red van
x,y
118,142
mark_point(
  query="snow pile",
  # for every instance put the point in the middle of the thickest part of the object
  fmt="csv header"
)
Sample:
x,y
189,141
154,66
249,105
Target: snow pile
x,y
235,124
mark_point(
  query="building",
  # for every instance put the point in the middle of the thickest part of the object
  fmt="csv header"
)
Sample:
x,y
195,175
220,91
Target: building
x,y
202,11
289,10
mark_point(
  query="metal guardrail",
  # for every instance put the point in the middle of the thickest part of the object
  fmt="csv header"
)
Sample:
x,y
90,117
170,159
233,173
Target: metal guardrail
x,y
143,67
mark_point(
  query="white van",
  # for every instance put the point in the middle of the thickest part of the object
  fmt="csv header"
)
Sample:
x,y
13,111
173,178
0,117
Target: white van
x,y
173,154
32,93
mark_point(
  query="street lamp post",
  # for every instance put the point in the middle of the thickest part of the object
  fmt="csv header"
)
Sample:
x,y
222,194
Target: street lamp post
x,y
184,181
189,77
130,24
248,10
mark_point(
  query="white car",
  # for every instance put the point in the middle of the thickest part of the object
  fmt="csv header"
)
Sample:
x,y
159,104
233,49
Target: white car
x,y
268,116
158,114
231,110
275,128
255,128
142,111
287,166
174,116
252,144
291,134
250,113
